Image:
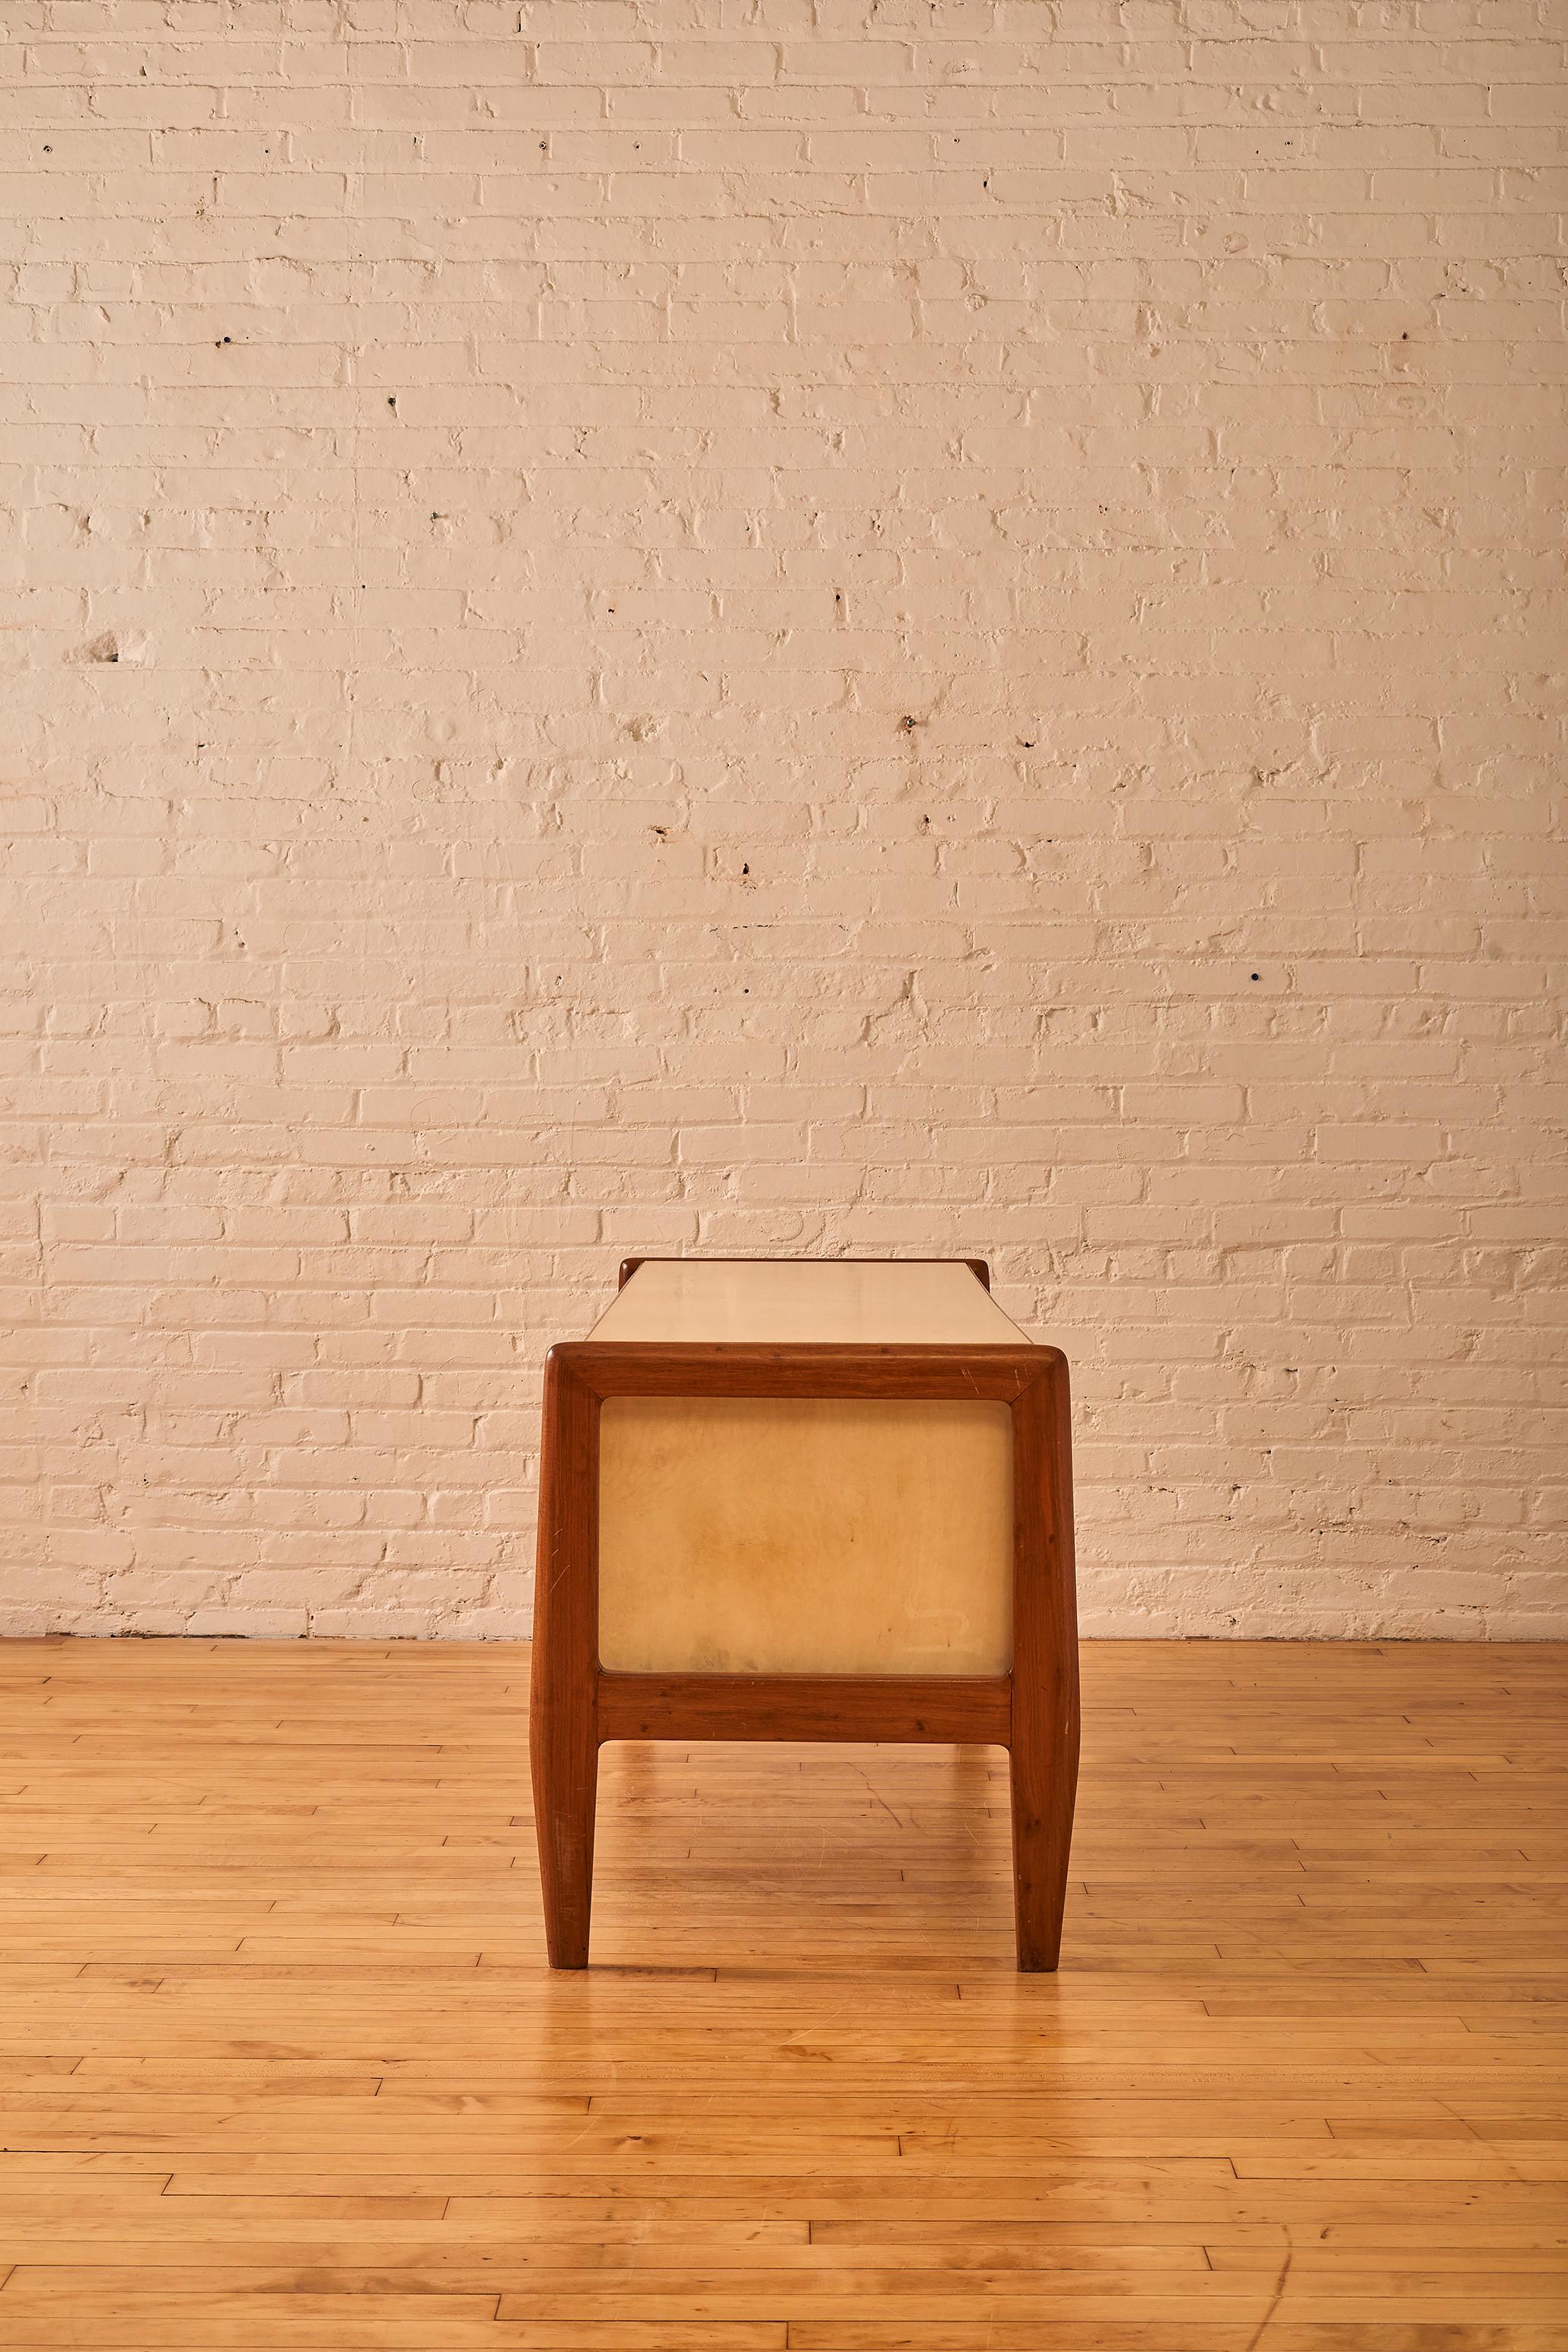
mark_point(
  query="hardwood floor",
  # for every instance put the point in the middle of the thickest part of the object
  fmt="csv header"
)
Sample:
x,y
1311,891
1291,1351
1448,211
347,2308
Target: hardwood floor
x,y
282,2066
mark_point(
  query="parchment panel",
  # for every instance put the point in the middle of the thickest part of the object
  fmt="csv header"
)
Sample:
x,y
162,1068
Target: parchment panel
x,y
785,1536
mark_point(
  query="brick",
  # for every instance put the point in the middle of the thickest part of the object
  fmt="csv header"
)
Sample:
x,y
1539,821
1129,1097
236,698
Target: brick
x,y
747,644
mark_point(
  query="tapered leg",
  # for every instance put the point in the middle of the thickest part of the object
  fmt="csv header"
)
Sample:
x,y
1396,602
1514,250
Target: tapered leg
x,y
1045,1739
564,1735
1045,1780
565,1778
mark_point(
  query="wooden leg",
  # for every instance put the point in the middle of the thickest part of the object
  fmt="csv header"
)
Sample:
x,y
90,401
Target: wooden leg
x,y
1044,1741
1045,1781
565,1778
564,1729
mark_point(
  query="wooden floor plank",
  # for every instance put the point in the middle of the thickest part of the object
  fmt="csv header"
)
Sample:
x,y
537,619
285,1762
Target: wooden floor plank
x,y
281,2066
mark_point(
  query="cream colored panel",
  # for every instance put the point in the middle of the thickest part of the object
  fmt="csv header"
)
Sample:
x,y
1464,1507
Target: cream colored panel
x,y
768,1535
785,1303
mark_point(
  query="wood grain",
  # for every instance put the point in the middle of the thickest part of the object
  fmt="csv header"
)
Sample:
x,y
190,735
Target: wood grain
x,y
563,1735
950,1708
282,2064
1044,1740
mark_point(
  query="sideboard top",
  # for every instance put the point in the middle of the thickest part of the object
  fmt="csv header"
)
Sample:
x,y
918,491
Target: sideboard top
x,y
792,1302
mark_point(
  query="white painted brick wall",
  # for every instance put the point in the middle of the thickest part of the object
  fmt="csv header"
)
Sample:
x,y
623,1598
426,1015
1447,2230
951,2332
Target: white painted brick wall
x,y
928,625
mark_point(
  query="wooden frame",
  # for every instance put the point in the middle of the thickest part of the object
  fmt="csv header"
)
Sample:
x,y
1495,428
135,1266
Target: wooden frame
x,y
1032,1711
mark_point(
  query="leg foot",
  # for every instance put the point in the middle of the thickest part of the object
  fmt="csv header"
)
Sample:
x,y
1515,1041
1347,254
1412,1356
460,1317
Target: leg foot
x,y
565,1778
1043,1791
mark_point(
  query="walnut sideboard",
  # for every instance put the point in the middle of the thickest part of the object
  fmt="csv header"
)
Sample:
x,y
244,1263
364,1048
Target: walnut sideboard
x,y
805,1499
